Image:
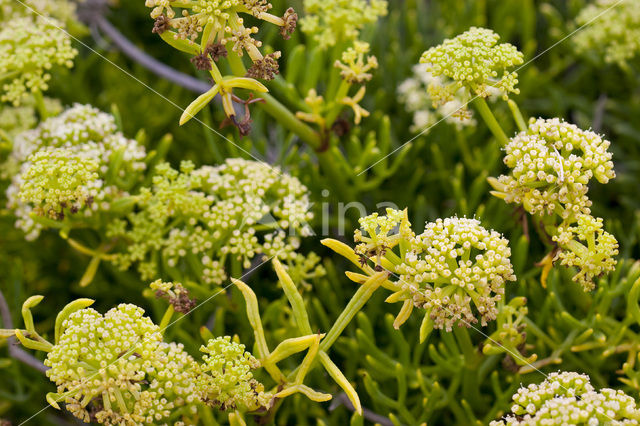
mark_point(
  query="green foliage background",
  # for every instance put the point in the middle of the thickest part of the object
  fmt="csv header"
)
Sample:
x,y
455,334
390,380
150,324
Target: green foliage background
x,y
443,174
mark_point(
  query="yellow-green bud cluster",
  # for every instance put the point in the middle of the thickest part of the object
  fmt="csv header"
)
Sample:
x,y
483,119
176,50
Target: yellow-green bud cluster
x,y
588,247
117,368
551,165
75,161
226,381
339,21
412,92
473,60
62,10
29,48
354,68
567,398
381,234
59,178
203,218
453,265
610,29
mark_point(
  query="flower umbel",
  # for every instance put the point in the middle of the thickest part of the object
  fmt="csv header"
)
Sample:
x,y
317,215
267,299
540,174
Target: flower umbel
x,y
205,219
588,247
453,265
226,381
117,367
473,60
551,166
569,398
76,162
612,33
29,48
339,21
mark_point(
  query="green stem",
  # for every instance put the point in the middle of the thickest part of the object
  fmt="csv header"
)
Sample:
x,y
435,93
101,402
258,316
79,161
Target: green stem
x,y
517,115
274,108
354,306
470,385
331,171
166,318
490,120
343,90
42,109
285,117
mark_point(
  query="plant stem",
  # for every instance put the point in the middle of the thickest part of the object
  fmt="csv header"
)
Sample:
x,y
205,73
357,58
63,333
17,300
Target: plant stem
x,y
40,106
285,117
470,386
354,306
490,120
517,115
274,108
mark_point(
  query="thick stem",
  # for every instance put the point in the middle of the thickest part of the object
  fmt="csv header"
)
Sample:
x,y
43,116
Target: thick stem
x,y
490,119
354,306
288,120
470,385
40,106
517,115
274,108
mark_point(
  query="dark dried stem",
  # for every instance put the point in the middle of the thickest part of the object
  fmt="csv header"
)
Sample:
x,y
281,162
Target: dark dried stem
x,y
153,65
343,399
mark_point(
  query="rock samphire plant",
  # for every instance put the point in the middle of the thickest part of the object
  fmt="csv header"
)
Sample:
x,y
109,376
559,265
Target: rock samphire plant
x,y
498,293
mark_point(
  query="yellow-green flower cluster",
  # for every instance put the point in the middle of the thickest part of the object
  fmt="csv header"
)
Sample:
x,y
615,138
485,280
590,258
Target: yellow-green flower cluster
x,y
381,234
413,93
219,26
453,265
610,29
59,178
551,165
226,381
510,336
339,21
475,61
588,247
353,67
62,10
567,398
16,119
76,162
29,48
203,219
117,368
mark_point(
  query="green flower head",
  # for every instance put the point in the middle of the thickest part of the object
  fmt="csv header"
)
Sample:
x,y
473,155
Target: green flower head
x,y
117,368
566,398
226,381
58,178
339,21
62,10
381,233
453,265
76,162
354,68
588,247
610,29
551,165
29,48
202,219
473,60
